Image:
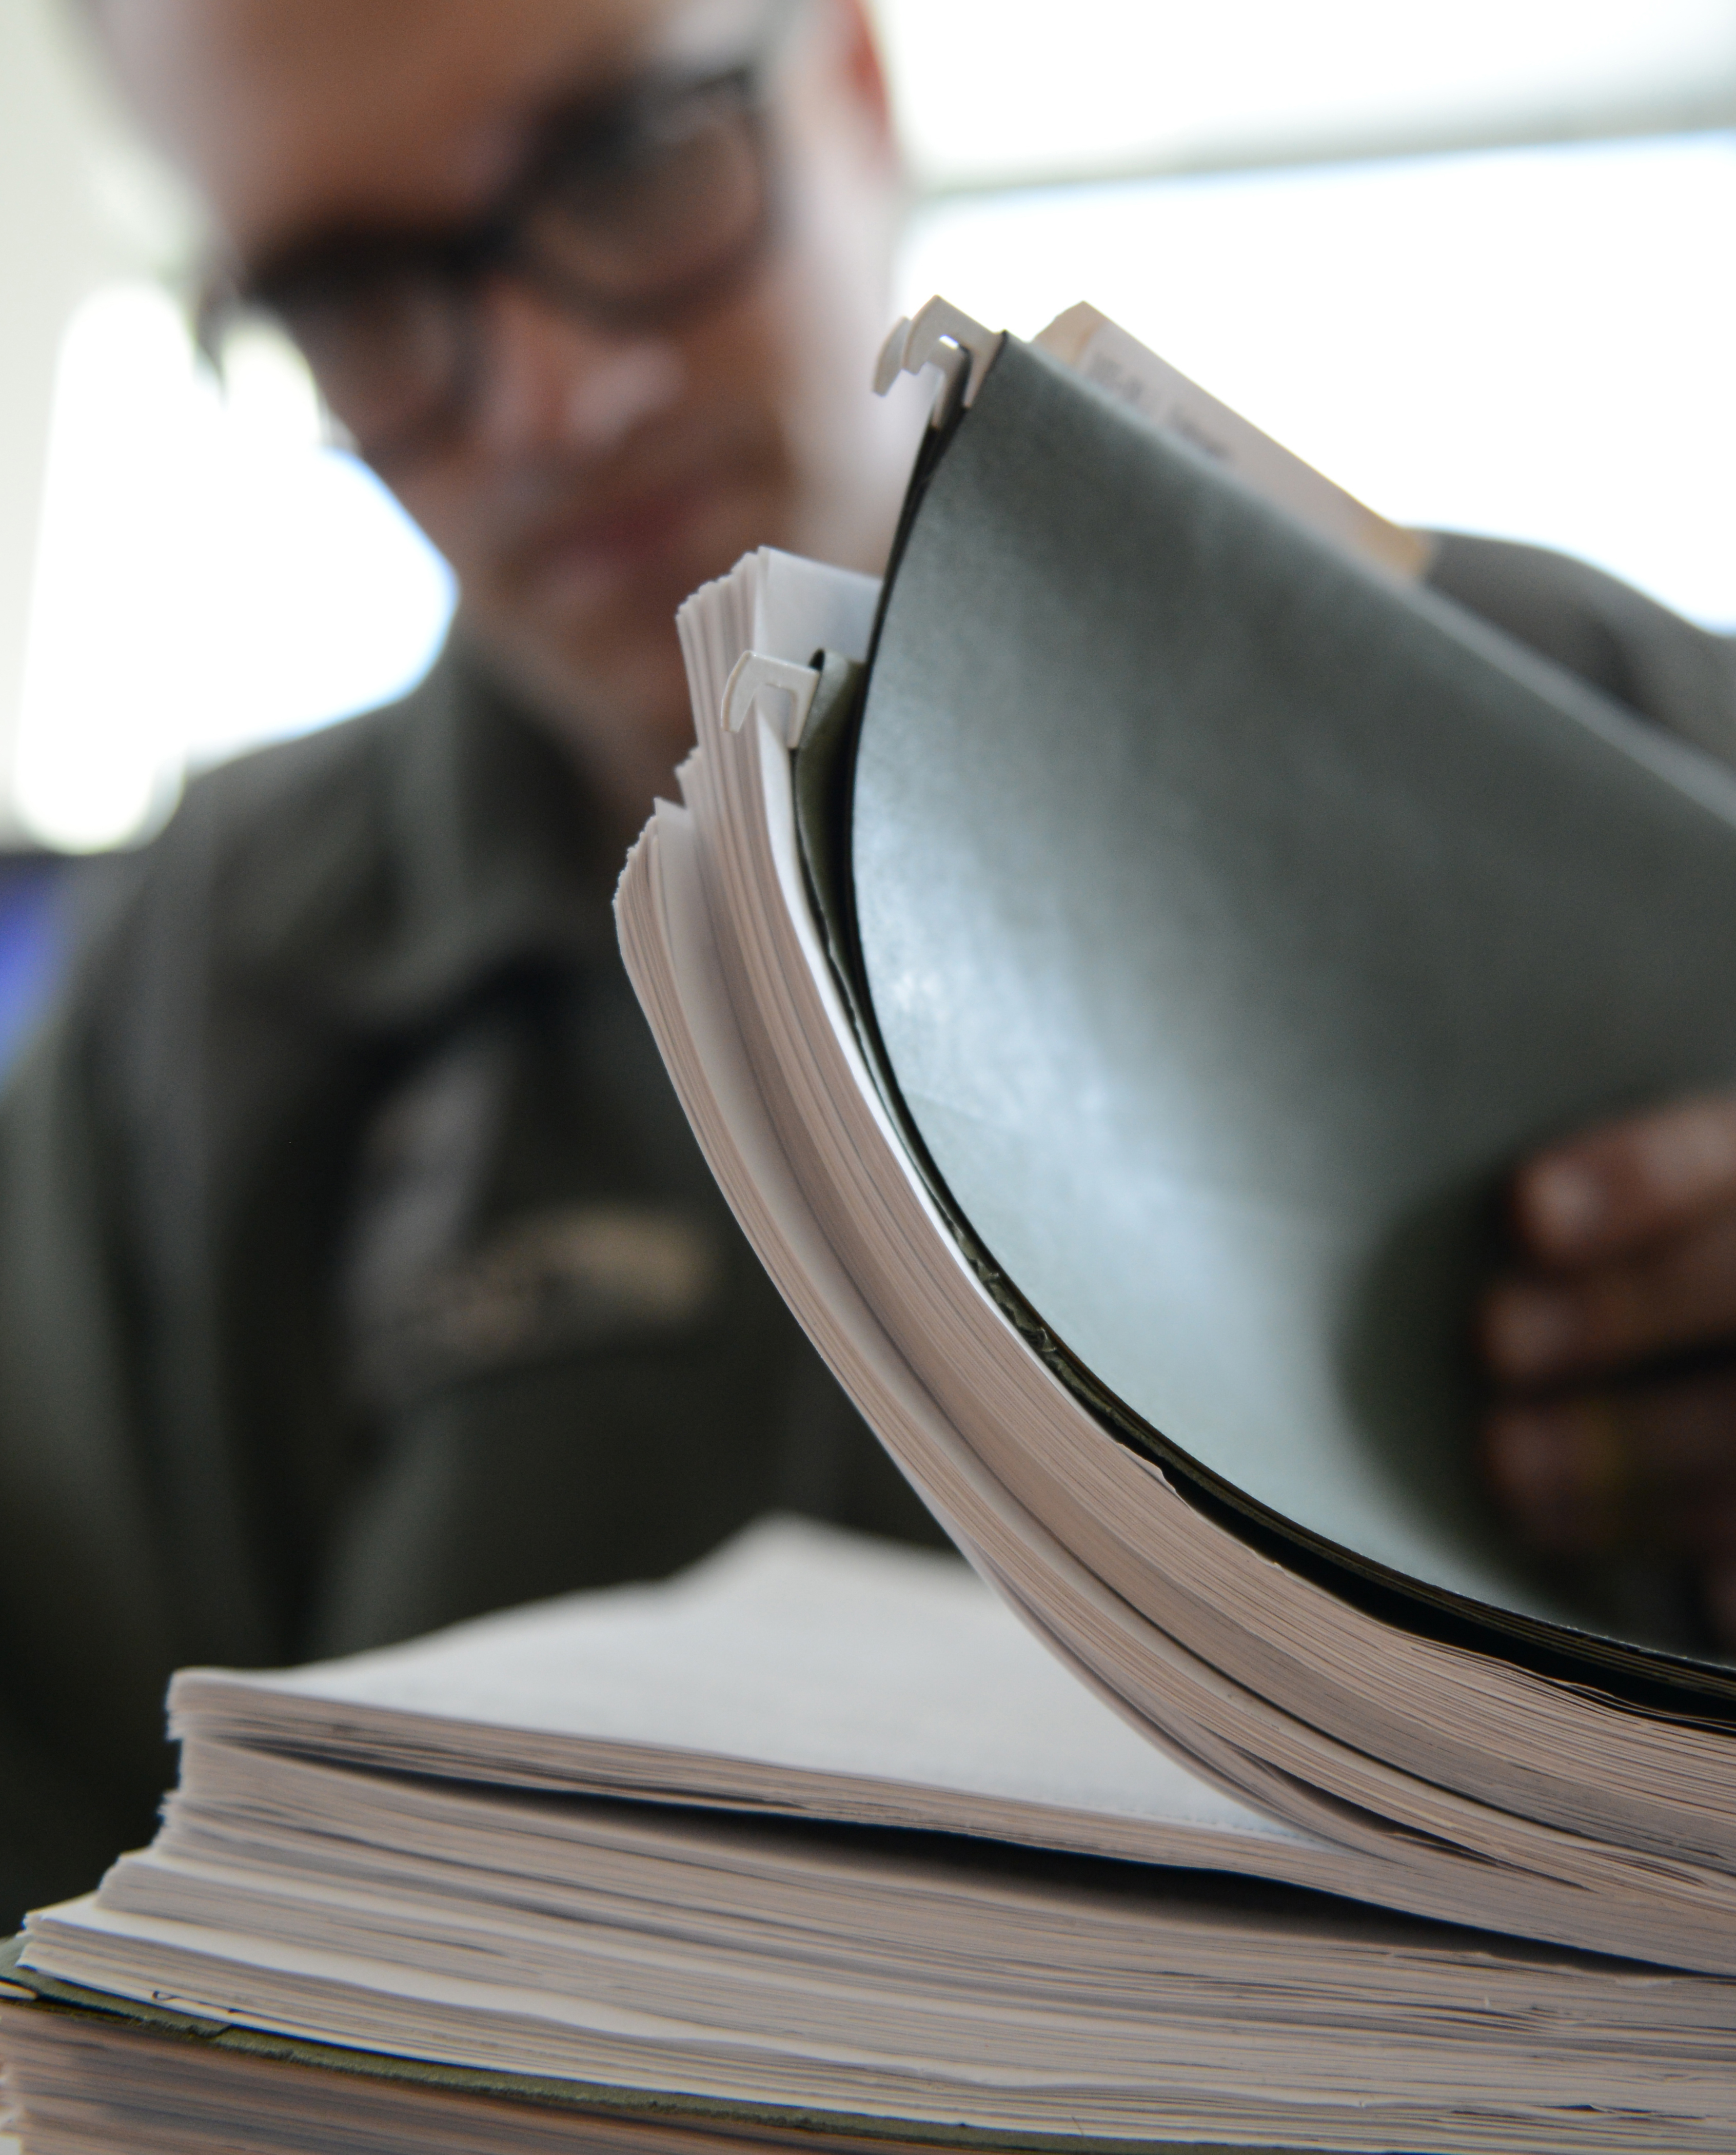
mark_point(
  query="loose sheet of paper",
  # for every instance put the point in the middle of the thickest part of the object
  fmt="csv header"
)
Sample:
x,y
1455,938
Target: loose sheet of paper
x,y
811,1651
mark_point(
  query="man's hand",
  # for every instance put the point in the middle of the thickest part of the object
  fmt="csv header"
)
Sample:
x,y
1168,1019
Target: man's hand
x,y
1613,1346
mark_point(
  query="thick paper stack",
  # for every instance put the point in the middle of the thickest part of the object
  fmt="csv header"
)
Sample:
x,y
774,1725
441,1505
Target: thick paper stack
x,y
464,1894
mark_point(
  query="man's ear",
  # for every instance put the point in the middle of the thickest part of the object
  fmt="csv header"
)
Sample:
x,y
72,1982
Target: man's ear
x,y
863,72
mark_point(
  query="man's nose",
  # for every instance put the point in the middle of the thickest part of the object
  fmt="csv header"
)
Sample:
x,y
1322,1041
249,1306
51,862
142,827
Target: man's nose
x,y
549,380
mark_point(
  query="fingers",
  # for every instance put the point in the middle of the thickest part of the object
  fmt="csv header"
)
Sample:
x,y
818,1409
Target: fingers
x,y
1627,1236
1615,1189
1548,1328
1651,1467
1560,1473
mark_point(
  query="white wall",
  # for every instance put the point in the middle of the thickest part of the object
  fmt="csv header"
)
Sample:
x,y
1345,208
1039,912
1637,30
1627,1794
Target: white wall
x,y
79,205
53,248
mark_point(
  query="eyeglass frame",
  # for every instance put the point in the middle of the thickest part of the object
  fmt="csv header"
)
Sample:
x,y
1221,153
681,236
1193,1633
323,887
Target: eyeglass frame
x,y
463,260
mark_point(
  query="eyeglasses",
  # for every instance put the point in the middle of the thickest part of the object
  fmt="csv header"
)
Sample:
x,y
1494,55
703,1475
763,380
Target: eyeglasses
x,y
635,212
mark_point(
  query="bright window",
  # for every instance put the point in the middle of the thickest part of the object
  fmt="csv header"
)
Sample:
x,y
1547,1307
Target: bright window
x,y
1033,87
209,575
1537,344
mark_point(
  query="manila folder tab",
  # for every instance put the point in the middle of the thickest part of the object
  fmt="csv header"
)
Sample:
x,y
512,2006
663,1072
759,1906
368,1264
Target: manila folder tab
x,y
1106,355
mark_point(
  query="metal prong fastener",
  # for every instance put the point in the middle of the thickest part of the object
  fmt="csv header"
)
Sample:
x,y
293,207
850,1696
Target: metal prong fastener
x,y
940,335
752,672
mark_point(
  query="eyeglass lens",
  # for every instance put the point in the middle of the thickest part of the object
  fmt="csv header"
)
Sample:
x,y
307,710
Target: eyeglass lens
x,y
628,230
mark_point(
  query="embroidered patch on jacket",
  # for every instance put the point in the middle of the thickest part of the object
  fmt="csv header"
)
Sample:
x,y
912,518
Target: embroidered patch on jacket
x,y
546,1282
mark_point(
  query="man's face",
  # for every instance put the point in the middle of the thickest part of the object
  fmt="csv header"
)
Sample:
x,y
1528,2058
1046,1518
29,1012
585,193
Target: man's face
x,y
601,473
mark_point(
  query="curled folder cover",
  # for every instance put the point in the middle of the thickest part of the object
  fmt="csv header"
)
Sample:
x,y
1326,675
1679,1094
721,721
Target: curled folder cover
x,y
1230,917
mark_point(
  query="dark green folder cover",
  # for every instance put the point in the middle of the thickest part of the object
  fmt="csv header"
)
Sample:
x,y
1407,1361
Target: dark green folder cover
x,y
1225,918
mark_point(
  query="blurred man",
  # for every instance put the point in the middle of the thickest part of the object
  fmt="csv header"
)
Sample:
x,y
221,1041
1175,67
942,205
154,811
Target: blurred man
x,y
357,1271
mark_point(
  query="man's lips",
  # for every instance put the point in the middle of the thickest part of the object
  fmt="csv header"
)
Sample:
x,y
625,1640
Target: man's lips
x,y
602,548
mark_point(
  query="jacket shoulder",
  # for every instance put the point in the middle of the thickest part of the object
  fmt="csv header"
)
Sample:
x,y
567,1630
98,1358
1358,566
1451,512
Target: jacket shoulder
x,y
1680,676
287,859
301,804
